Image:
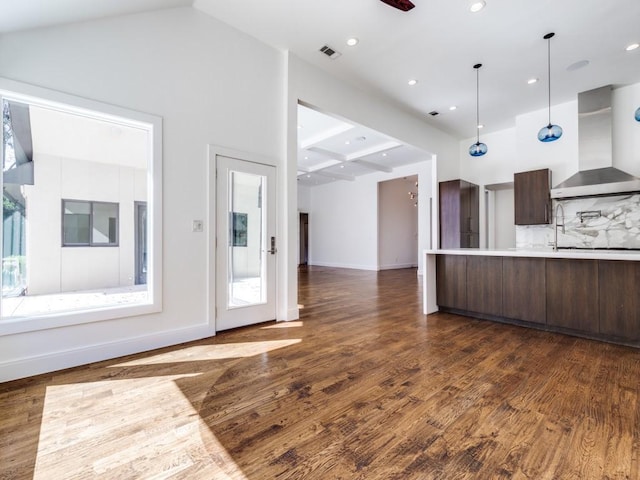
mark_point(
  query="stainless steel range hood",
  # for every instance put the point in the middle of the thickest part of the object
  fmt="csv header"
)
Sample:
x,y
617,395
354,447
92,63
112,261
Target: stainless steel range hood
x,y
596,175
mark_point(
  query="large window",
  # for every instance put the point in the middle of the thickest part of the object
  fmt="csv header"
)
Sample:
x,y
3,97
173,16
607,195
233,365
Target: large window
x,y
90,224
77,173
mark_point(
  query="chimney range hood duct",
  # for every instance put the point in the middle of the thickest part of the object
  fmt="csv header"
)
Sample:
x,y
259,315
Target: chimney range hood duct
x,y
596,175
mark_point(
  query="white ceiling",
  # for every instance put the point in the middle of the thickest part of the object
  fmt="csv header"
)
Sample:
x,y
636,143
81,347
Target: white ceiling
x,y
437,43
331,149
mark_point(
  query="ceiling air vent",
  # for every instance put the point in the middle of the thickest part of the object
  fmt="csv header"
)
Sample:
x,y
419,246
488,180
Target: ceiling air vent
x,y
330,52
433,113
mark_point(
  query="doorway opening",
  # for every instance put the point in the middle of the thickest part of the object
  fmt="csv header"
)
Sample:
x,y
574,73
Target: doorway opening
x,y
304,239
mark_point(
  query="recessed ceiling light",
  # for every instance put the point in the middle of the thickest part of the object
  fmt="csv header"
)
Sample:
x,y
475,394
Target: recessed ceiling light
x,y
306,158
477,6
633,46
299,126
531,81
384,154
308,176
452,108
412,82
481,126
347,142
352,42
341,166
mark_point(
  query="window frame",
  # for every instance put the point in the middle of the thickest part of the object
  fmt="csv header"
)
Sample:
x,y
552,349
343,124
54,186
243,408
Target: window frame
x,y
90,243
38,96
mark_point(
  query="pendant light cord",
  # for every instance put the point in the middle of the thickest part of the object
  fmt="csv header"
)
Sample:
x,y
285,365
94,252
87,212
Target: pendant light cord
x,y
548,38
477,67
478,105
549,75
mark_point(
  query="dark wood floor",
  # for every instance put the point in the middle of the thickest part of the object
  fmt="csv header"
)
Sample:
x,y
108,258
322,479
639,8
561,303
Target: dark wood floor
x,y
363,387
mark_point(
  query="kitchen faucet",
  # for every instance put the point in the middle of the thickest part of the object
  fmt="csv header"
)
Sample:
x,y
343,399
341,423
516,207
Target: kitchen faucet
x,y
555,229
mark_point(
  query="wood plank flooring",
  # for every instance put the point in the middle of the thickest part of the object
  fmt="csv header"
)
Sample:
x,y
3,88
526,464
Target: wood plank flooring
x,y
363,387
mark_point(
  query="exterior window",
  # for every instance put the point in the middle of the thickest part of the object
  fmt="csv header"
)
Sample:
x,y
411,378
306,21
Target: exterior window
x,y
89,224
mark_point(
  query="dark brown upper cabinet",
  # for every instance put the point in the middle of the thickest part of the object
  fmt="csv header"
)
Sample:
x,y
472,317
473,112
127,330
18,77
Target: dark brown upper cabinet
x,y
459,214
532,197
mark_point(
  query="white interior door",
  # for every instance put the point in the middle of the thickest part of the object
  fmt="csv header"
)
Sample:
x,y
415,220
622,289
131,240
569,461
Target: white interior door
x,y
246,243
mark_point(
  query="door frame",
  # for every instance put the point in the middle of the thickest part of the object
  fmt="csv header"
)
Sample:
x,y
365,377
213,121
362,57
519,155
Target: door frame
x,y
213,152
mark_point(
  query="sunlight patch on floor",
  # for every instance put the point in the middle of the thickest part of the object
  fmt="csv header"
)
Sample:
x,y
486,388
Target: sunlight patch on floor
x,y
132,428
199,353
293,324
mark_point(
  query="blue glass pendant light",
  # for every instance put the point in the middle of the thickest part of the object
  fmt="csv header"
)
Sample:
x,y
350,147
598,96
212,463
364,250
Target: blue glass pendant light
x,y
551,132
477,149
638,115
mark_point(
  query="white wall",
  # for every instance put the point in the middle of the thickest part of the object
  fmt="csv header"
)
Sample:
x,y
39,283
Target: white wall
x,y
397,224
243,96
168,63
52,268
626,131
504,228
304,198
343,220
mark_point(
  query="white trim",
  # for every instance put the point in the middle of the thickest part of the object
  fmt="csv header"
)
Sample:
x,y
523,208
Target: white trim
x,y
343,265
397,266
26,367
35,95
429,292
292,314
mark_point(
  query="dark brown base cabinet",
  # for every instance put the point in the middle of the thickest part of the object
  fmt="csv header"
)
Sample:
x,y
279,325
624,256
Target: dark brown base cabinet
x,y
484,285
585,297
524,289
451,279
618,284
572,294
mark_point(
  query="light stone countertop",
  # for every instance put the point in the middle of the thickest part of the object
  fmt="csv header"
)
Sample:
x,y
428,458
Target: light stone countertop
x,y
631,255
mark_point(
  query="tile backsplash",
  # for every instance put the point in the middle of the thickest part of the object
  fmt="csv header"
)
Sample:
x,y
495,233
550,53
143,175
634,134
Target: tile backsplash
x,y
593,222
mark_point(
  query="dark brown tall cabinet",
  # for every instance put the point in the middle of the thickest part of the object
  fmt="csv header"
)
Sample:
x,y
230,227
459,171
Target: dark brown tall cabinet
x,y
532,198
459,214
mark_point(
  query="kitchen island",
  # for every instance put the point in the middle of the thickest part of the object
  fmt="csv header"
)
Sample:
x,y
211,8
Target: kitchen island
x,y
588,293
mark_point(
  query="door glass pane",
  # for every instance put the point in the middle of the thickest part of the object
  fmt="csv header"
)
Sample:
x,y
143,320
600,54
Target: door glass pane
x,y
246,271
75,224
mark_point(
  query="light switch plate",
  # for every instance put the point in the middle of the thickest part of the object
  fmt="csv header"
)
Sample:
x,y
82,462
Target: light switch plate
x,y
197,226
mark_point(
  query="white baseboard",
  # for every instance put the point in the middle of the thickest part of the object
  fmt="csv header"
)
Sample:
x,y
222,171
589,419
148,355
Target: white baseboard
x,y
292,314
397,266
27,367
342,265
